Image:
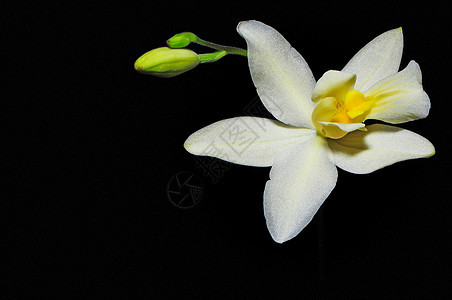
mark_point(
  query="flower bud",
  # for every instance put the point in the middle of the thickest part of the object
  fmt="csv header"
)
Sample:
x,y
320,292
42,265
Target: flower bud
x,y
166,62
181,40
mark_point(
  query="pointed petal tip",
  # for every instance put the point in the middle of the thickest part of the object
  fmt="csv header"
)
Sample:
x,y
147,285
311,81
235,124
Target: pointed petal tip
x,y
243,24
282,237
278,240
400,32
397,30
188,144
192,149
433,152
277,236
239,25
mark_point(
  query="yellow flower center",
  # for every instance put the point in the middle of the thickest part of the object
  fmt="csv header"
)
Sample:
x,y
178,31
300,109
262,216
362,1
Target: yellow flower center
x,y
352,108
355,105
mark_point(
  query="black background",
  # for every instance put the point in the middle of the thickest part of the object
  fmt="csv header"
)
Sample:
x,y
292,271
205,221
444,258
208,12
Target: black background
x,y
88,147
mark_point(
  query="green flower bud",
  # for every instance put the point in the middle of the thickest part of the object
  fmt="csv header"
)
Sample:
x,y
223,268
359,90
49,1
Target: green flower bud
x,y
181,40
166,62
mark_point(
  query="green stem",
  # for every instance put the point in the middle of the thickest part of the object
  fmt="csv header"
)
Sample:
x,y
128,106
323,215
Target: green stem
x,y
211,57
229,50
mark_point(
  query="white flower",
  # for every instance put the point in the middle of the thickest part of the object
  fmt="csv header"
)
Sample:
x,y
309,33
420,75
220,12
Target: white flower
x,y
319,125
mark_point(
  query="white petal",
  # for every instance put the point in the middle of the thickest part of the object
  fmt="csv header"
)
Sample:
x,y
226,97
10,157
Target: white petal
x,y
333,84
400,98
336,130
282,77
246,140
300,180
382,145
348,127
379,59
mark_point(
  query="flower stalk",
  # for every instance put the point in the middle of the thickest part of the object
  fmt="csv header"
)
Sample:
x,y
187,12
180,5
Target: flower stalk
x,y
227,49
183,39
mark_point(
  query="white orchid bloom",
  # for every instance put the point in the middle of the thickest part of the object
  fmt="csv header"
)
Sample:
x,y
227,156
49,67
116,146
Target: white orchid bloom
x,y
319,125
